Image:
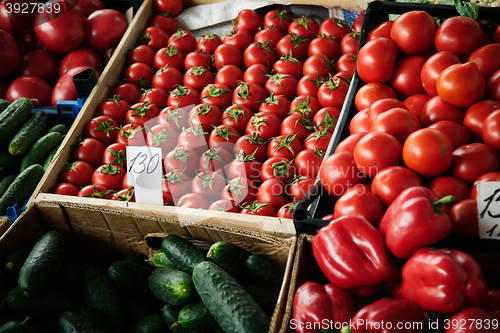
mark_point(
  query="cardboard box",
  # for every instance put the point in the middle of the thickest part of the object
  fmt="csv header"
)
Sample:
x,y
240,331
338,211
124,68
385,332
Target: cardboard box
x,y
102,236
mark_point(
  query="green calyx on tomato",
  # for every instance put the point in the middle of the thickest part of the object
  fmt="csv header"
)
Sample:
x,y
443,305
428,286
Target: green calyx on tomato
x,y
127,196
243,157
197,71
164,68
297,178
181,154
179,91
281,13
106,126
319,152
280,168
141,110
119,157
114,99
276,78
213,154
174,115
179,34
259,121
292,207
96,194
318,81
196,130
271,99
234,113
288,57
220,209
223,132
209,37
202,110
341,23
323,35
171,50
255,140
306,122
254,206
265,46
109,169
303,21
175,176
160,137
71,166
303,107
207,179
332,83
286,142
144,39
328,123
215,92
355,35
243,91
235,188
235,30
130,132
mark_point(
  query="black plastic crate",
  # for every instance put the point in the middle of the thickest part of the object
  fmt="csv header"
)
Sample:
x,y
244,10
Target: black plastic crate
x,y
318,203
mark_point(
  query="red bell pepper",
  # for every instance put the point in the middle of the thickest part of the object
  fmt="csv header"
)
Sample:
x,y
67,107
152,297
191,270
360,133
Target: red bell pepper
x,y
352,255
415,220
317,306
471,320
443,280
389,315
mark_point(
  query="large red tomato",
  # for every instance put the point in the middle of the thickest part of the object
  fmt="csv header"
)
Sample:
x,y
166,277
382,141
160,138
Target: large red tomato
x,y
388,184
405,80
360,200
433,66
491,130
376,151
171,7
460,35
398,122
64,88
472,161
413,32
82,56
486,59
38,63
31,87
60,32
104,28
475,116
454,131
461,85
18,22
90,6
8,53
376,60
372,92
339,172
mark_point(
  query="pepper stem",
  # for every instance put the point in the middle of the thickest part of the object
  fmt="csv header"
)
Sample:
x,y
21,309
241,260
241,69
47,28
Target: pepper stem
x,y
436,205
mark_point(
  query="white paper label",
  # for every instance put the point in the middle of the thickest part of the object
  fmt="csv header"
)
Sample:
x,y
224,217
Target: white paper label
x,y
144,172
488,207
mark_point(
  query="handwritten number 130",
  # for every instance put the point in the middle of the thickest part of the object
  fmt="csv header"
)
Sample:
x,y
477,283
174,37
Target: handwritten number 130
x,y
146,165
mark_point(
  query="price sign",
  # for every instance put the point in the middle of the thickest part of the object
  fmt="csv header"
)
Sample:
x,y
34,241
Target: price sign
x,y
488,208
144,172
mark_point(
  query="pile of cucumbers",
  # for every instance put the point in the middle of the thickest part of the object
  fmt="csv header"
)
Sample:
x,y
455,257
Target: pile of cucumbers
x,y
27,146
182,288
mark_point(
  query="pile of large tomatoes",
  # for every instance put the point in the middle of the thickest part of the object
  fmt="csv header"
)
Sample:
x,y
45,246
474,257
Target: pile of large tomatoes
x,y
427,115
42,45
243,121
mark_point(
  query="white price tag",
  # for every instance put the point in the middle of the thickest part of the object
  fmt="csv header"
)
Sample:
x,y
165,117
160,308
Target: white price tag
x,y
144,172
488,208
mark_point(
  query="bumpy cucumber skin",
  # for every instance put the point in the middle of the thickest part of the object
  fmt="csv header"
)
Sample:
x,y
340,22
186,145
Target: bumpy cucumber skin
x,y
151,324
159,259
42,263
13,117
99,294
5,183
196,315
3,104
172,286
182,253
60,128
265,272
50,156
231,257
131,278
233,308
21,188
40,149
32,130
170,314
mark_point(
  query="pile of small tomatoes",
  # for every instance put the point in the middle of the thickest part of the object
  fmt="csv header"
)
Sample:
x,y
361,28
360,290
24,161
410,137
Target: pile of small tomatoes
x,y
427,113
243,121
42,45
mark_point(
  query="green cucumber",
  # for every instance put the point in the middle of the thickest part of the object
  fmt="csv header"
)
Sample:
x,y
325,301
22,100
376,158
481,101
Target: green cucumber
x,y
83,320
196,315
170,315
40,149
60,128
231,257
13,117
131,278
172,286
137,257
21,188
265,272
15,260
13,326
3,104
159,259
151,324
32,130
99,294
42,263
233,308
264,296
7,161
5,183
182,253
50,156
49,303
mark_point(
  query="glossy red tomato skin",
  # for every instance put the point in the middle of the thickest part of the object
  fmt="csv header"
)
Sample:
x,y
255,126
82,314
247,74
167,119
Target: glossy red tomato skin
x,y
107,156
372,92
267,125
256,54
127,91
81,177
156,96
460,35
428,152
182,97
319,118
349,143
250,169
475,116
238,38
388,184
298,49
251,100
333,93
217,141
382,30
398,122
311,107
413,32
104,29
376,151
168,144
308,163
272,35
126,137
249,148
208,43
197,59
274,149
493,86
284,211
464,218
89,190
346,63
433,66
334,27
280,21
376,60
339,172
171,7
472,161
273,192
172,161
382,105
415,104
114,109
454,131
304,26
256,74
212,165
227,54
300,188
267,170
140,113
91,130
168,55
197,142
308,85
229,75
193,200
248,192
405,80
267,210
436,109
248,20
487,177
90,150
196,79
296,124
82,56
486,59
349,44
32,87
167,78
184,40
491,130
64,88
139,74
324,45
447,185
359,123
281,85
280,106
461,85
359,200
211,193
228,206
38,63
17,22
66,189
167,23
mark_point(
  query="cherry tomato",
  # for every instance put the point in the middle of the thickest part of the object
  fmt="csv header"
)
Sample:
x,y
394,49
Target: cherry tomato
x,y
162,136
308,162
360,200
300,186
252,144
210,185
287,65
257,53
167,78
223,136
319,140
339,172
248,20
279,105
170,56
193,200
240,190
279,168
96,191
227,54
349,44
249,95
237,116
245,166
224,205
78,173
304,26
286,211
66,189
208,43
183,97
294,44
131,135
279,19
175,117
198,78
215,159
154,37
230,76
325,45
333,93
140,113
139,74
304,105
317,64
284,146
272,35
334,27
175,184
170,7
272,191
267,125
309,85
346,62
197,59
256,74
128,92
238,38
164,21
184,40
115,154
196,137
259,208
281,84
115,108
388,184
102,128
297,124
127,194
